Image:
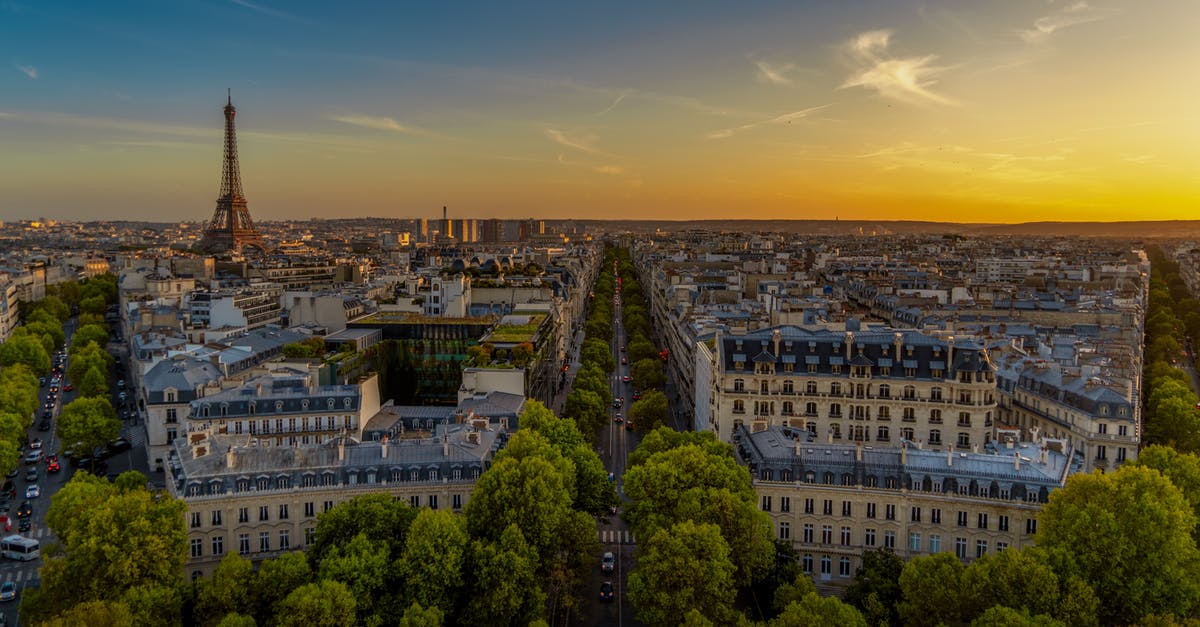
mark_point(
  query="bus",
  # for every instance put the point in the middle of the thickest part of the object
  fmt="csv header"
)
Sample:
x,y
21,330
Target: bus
x,y
19,548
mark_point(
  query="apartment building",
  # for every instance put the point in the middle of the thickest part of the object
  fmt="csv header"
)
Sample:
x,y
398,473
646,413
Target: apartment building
x,y
9,310
878,386
834,501
264,501
246,309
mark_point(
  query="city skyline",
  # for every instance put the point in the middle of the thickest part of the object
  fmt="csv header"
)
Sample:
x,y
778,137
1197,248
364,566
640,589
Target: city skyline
x,y
929,111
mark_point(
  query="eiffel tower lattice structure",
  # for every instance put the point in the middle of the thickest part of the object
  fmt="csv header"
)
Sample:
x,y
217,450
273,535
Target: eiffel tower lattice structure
x,y
231,229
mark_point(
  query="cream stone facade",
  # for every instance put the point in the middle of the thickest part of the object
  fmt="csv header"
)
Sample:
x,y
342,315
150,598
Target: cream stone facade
x,y
880,387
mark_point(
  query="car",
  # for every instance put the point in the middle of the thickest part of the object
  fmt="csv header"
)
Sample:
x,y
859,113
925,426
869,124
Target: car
x,y
622,349
33,457
122,396
31,475
629,425
118,445
70,387
606,591
42,381
618,418
52,459
33,491
8,591
121,384
627,378
47,414
24,510
24,525
36,444
44,425
7,522
53,467
637,396
616,402
54,389
624,360
608,563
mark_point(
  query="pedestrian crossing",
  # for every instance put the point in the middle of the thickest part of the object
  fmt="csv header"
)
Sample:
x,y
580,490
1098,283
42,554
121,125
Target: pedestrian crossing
x,y
19,576
613,536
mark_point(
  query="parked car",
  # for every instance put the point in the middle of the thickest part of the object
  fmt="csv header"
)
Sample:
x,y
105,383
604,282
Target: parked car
x,y
618,418
45,425
118,445
33,457
6,521
70,387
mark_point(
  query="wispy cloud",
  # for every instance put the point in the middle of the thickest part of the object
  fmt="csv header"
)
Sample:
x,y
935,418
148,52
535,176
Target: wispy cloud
x,y
774,74
27,70
585,143
268,11
609,169
382,123
1078,13
617,101
779,119
907,79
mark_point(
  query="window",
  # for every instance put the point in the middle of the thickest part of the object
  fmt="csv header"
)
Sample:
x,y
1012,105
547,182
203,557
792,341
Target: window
x,y
870,510
807,563
981,521
171,435
914,543
1122,430
785,504
827,507
456,501
739,406
882,434
264,541
216,518
310,509
739,385
916,514
935,543
890,512
889,540
785,531
1101,452
197,548
283,511
935,437
960,548
869,537
1031,526
766,503
263,513
195,520
844,567
845,536
433,501
285,541
1000,546
846,508
835,410
826,565
414,500
962,519
980,548
808,506
243,514
218,545
826,534
835,389
310,534
908,414
1121,454
808,533
935,416
1002,522
885,391
172,416
789,387
328,505
935,515
243,544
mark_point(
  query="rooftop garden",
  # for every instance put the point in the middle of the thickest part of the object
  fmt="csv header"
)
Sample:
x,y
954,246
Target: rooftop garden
x,y
403,317
516,333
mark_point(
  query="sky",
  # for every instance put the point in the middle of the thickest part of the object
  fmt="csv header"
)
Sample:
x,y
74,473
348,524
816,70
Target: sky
x,y
1007,111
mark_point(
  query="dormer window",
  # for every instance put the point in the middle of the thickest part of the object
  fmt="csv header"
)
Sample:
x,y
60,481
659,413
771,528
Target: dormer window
x,y
329,403
304,404
204,411
224,409
278,405
346,402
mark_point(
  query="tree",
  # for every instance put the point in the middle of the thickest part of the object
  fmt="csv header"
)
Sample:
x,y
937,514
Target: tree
x,y
1176,423
276,579
367,573
94,384
1000,616
588,410
228,590
155,606
641,348
94,614
598,352
649,412
1017,579
93,305
322,604
648,374
417,616
434,557
26,350
665,438
680,568
876,587
88,423
522,354
52,330
87,334
593,492
507,589
1183,469
793,591
55,306
1128,534
234,619
932,589
383,519
815,610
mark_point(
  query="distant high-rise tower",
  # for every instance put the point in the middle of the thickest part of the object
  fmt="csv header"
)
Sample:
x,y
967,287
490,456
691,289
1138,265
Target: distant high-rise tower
x,y
231,228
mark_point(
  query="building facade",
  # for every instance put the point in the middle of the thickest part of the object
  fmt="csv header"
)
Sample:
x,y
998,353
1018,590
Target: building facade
x,y
879,387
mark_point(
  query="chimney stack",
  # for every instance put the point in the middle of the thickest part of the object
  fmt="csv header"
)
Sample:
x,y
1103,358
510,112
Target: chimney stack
x,y
949,455
1016,461
341,449
903,454
446,445
858,452
230,459
383,448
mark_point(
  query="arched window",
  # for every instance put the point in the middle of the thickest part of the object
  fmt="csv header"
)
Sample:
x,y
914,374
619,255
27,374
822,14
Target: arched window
x,y
885,391
739,385
329,403
204,410
764,388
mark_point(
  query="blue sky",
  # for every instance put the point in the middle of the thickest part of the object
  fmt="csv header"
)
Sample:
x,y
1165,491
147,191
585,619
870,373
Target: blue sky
x,y
925,110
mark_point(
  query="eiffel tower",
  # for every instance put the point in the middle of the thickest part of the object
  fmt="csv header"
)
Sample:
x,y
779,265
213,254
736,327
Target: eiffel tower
x,y
231,229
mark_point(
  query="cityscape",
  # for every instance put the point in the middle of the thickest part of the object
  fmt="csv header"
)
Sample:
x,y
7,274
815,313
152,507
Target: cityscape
x,y
782,316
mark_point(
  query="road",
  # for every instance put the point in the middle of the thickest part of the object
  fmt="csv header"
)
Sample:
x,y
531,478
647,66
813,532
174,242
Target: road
x,y
25,574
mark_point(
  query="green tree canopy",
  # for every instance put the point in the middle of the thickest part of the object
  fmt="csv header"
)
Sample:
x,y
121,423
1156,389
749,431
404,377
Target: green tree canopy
x,y
321,604
931,586
382,519
27,350
648,374
680,568
435,556
88,423
649,412
876,587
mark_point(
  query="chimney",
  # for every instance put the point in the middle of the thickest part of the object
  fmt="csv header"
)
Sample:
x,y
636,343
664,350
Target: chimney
x,y
230,459
849,343
858,452
975,447
797,448
383,448
1016,461
949,455
830,432
1045,459
903,454
776,336
341,449
446,445
950,356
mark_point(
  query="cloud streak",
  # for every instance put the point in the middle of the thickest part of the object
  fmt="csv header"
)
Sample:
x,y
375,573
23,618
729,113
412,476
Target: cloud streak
x,y
268,11
779,119
773,74
1075,14
382,123
907,79
583,144
28,70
